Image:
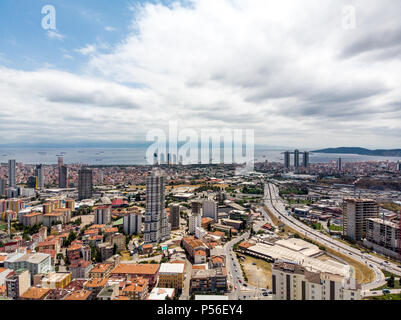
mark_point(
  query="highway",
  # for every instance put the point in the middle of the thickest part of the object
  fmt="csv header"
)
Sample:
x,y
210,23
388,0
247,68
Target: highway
x,y
277,207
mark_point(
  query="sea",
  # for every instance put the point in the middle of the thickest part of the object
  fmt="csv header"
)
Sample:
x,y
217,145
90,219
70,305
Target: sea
x,y
137,156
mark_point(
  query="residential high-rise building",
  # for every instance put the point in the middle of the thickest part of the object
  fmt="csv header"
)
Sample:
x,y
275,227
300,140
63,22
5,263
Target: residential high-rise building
x,y
60,162
32,182
287,158
12,178
156,222
292,281
339,164
195,221
355,214
102,215
85,184
305,159
2,187
132,223
296,158
383,236
196,206
17,283
40,174
62,176
399,166
209,209
174,217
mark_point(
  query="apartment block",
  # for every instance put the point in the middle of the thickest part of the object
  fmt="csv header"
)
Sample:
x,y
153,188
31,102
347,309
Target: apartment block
x,y
355,214
383,236
171,275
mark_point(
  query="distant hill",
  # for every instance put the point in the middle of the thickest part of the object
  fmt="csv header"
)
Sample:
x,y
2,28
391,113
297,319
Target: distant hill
x,y
362,151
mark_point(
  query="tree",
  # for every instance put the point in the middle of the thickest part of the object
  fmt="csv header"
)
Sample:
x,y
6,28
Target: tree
x,y
391,282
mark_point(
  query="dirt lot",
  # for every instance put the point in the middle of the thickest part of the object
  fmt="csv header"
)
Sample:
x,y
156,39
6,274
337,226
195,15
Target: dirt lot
x,y
86,220
261,272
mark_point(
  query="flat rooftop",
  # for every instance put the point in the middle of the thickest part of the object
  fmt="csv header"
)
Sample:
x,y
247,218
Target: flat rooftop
x,y
172,268
277,252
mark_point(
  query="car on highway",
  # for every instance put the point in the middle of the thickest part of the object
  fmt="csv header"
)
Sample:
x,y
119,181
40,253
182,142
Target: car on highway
x,y
235,287
254,264
265,294
245,285
398,266
240,281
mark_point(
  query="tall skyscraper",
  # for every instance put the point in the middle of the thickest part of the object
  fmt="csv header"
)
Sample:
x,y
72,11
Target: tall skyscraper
x,y
355,214
156,223
12,178
296,158
2,187
62,176
40,174
174,217
287,159
60,162
306,159
32,182
339,164
196,206
85,184
399,166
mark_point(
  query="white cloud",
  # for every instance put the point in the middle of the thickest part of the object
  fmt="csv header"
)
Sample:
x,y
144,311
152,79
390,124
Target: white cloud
x,y
87,50
110,29
55,35
286,69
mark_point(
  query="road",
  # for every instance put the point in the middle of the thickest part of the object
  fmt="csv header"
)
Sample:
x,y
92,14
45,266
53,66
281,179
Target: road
x,y
277,207
235,276
378,293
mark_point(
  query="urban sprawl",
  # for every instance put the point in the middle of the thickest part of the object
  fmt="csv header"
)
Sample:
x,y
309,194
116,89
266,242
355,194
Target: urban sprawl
x,y
289,230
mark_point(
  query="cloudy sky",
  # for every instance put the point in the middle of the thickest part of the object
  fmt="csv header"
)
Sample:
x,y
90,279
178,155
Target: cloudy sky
x,y
306,73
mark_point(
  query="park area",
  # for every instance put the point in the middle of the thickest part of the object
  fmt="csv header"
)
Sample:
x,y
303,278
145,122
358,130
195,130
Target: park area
x,y
257,270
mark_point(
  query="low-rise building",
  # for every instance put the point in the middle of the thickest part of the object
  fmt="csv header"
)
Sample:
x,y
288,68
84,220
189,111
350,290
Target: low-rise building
x,y
36,263
56,280
292,281
171,275
132,270
208,280
137,289
80,269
